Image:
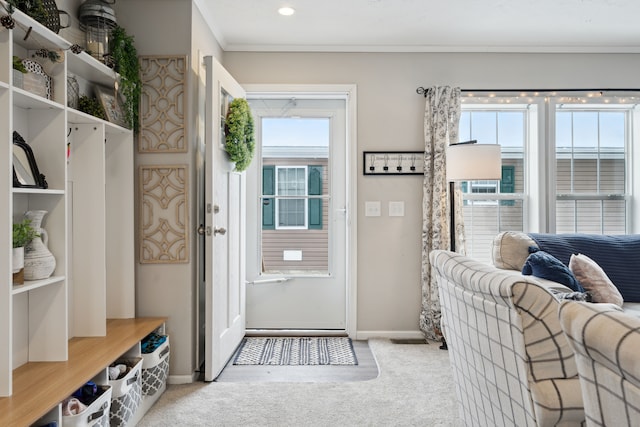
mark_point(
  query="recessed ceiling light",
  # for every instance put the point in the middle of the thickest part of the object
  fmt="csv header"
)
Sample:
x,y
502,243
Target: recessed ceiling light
x,y
286,11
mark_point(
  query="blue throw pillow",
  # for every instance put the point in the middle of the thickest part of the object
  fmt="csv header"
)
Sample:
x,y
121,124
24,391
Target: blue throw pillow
x,y
541,264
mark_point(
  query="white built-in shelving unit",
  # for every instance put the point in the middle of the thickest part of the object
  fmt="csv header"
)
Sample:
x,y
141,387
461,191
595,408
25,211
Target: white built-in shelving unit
x,y
88,164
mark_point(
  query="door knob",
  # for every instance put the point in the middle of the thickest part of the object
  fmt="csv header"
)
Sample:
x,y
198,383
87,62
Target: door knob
x,y
202,230
220,230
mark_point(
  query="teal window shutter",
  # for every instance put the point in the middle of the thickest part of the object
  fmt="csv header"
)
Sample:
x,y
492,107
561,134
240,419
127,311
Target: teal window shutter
x,y
508,183
268,204
315,205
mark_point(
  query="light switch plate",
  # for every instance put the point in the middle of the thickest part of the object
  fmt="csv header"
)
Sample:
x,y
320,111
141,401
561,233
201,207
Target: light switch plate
x,y
371,208
396,208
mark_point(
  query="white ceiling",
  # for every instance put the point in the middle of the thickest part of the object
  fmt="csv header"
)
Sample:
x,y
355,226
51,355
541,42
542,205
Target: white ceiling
x,y
426,25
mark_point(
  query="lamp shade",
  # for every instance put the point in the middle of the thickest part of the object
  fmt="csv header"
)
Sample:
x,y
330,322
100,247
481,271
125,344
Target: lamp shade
x,y
467,162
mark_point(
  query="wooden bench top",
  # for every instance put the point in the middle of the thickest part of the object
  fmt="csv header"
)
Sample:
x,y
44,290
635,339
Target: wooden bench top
x,y
39,386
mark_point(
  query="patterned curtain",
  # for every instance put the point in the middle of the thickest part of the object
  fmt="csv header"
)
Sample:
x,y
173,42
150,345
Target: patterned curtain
x,y
441,118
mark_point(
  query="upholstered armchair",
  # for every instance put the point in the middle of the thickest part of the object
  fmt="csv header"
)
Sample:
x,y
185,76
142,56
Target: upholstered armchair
x,y
512,364
606,343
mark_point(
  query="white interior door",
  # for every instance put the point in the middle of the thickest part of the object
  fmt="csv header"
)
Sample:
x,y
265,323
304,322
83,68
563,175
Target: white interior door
x,y
297,213
224,228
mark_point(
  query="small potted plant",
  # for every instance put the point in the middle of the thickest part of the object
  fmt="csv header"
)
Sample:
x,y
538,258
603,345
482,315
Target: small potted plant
x,y
18,71
23,233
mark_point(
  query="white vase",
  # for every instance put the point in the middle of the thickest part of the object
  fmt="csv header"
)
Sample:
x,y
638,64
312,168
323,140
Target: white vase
x,y
39,262
17,265
17,259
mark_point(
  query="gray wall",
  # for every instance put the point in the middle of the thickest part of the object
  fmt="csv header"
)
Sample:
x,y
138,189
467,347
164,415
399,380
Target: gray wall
x,y
173,27
390,117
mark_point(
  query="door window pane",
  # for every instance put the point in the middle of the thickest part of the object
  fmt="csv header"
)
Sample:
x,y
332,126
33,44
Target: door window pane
x,y
295,202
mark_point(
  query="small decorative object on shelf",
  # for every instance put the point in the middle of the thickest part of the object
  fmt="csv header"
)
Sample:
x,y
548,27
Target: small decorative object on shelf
x,y
76,48
39,262
23,233
8,22
25,169
52,55
36,80
45,12
18,71
73,91
112,105
97,19
91,106
239,133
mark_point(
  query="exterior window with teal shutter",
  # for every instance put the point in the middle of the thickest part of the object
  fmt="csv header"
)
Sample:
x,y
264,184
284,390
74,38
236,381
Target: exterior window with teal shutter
x,y
315,204
288,207
268,204
508,183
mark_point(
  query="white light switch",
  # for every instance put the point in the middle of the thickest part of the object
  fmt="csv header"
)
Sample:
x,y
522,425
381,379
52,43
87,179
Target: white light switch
x,y
396,208
371,208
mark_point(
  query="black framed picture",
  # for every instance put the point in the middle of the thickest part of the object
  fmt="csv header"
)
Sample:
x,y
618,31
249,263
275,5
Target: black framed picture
x,y
25,169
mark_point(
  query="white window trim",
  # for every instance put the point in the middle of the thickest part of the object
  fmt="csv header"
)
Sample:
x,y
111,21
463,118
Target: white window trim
x,y
279,197
532,128
539,197
595,105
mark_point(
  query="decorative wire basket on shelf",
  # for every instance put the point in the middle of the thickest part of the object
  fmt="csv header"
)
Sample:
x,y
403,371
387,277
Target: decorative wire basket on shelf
x,y
52,16
73,92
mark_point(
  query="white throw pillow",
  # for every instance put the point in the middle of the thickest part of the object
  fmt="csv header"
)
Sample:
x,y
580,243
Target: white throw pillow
x,y
594,280
510,250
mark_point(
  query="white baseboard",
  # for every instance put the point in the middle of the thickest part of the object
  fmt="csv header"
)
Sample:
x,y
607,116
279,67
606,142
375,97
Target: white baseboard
x,y
182,379
365,335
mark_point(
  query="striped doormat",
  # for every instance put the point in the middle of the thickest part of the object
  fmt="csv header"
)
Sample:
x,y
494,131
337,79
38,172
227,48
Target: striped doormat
x,y
295,351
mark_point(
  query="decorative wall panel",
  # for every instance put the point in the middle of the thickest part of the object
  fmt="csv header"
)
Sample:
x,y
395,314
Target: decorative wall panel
x,y
162,106
164,236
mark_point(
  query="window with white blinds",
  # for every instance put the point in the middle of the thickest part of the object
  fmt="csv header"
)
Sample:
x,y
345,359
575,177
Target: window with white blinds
x,y
494,206
591,166
566,163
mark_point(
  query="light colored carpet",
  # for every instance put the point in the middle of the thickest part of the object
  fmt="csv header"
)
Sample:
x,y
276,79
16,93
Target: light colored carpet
x,y
414,388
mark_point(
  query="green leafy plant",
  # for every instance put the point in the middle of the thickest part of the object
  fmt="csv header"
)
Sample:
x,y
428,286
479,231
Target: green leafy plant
x,y
23,233
18,65
33,8
240,140
91,106
125,59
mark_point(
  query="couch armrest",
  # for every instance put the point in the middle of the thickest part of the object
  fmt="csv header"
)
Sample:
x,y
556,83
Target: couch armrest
x,y
558,402
548,353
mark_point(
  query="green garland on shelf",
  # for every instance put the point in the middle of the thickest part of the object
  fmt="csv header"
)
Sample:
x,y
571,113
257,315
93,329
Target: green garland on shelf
x,y
239,132
125,58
